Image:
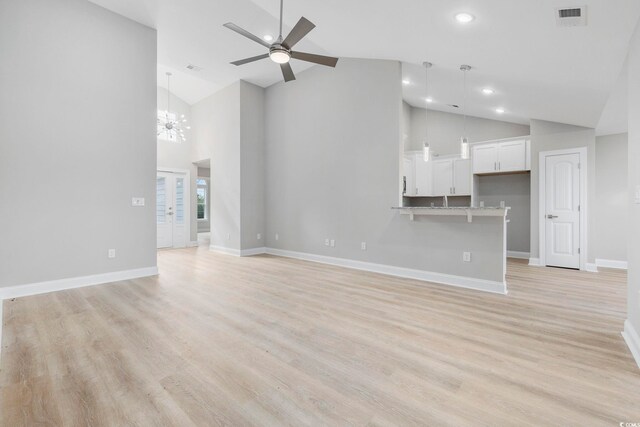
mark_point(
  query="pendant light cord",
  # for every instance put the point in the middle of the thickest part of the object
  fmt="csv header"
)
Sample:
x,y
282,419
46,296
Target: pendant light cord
x,y
168,95
426,108
464,107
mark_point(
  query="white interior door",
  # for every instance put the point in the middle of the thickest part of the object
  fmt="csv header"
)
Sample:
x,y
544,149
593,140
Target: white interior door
x,y
172,210
562,210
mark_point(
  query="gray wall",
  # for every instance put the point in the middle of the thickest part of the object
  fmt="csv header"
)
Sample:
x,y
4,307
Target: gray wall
x,y
633,254
332,171
252,165
548,136
178,155
515,191
612,204
78,112
217,137
445,130
229,130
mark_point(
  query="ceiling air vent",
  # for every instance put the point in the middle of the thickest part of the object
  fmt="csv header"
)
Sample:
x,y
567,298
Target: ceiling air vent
x,y
571,17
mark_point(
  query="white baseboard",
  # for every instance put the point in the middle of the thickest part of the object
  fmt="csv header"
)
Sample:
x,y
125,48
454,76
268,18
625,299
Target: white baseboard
x,y
236,252
192,244
518,255
74,282
611,263
535,262
591,267
253,251
427,276
632,339
223,250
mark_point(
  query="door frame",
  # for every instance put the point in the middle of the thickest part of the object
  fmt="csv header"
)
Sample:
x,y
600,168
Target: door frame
x,y
187,210
542,190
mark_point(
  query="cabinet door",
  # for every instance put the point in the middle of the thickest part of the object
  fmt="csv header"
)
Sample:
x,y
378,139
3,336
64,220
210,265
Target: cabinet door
x,y
462,177
422,176
512,156
408,174
485,158
443,178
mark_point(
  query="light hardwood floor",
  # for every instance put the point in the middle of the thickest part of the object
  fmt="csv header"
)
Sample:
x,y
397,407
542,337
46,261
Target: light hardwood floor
x,y
219,340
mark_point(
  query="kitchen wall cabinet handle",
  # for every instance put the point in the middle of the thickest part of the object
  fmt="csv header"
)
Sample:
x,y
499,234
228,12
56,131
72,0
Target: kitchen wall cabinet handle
x,y
552,216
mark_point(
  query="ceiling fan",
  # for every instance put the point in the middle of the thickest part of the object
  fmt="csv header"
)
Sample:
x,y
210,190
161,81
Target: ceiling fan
x,y
280,50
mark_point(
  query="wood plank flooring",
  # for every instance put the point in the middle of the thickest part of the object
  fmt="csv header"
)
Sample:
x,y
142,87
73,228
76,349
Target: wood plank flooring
x,y
219,340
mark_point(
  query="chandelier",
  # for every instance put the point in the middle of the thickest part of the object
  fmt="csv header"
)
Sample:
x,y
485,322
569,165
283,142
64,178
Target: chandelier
x,y
170,127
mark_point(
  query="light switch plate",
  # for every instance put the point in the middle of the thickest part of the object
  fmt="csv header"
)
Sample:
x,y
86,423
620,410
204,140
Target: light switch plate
x,y
466,256
111,253
636,198
333,243
137,201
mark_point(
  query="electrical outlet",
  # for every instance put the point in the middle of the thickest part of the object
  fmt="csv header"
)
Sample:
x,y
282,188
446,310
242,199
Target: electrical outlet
x,y
636,199
277,236
137,201
228,236
326,242
111,253
363,246
259,236
333,243
466,256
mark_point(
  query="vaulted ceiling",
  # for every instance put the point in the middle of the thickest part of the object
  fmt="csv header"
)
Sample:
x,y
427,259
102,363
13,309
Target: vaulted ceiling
x,y
537,69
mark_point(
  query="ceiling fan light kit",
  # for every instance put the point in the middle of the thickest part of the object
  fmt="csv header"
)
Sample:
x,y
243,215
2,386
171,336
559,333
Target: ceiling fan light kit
x,y
281,51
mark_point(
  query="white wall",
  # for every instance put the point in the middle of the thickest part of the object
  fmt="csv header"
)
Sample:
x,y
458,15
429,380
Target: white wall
x,y
445,130
332,171
78,115
612,203
548,136
633,254
177,155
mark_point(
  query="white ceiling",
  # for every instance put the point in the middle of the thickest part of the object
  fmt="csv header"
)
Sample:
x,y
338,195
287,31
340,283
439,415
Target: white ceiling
x,y
537,69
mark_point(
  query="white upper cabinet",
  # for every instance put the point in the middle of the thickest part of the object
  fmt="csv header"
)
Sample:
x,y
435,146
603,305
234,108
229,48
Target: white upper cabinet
x,y
512,156
452,177
500,157
462,177
417,173
422,176
410,187
485,158
442,177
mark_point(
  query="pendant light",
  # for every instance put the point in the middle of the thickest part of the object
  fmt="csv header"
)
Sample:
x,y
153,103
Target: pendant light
x,y
426,149
464,142
168,124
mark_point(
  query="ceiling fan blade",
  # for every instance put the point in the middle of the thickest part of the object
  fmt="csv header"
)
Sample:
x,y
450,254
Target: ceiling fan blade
x,y
301,29
252,59
247,34
329,61
287,72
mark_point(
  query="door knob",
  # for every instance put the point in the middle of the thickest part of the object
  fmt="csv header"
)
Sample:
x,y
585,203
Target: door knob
x,y
552,216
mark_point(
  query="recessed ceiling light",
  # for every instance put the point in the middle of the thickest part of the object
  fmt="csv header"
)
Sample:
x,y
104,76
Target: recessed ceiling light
x,y
464,17
406,82
268,37
488,91
500,110
429,100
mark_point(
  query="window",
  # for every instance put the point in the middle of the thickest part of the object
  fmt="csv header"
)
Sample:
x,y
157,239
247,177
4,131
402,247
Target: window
x,y
201,195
